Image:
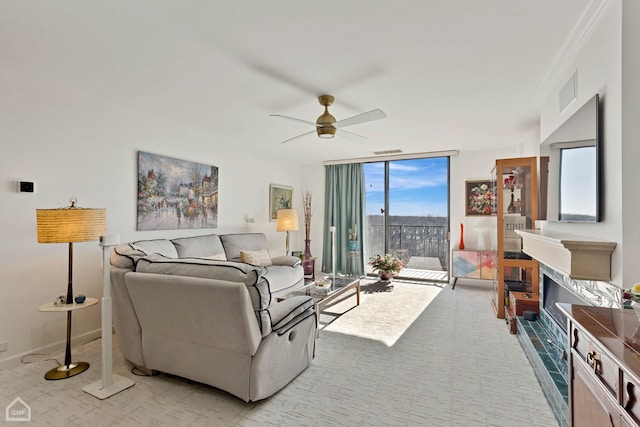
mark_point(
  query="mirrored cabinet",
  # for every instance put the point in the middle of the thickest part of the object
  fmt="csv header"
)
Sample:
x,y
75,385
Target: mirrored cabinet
x,y
516,184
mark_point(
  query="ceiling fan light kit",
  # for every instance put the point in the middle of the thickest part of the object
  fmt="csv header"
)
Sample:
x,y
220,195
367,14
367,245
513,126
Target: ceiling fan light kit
x,y
326,125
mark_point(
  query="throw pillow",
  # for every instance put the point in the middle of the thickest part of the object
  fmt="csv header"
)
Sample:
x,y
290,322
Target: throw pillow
x,y
261,257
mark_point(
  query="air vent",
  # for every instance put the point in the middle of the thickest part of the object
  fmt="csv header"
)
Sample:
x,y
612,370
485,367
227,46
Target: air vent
x,y
569,92
386,152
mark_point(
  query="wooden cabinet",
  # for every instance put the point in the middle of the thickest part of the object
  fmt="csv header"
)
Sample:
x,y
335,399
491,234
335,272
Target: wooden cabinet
x,y
474,264
516,188
604,364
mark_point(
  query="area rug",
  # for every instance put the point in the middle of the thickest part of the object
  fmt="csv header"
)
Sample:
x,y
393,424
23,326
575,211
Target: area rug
x,y
385,312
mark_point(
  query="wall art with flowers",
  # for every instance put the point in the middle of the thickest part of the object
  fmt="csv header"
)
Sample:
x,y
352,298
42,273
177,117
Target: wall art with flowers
x,y
480,200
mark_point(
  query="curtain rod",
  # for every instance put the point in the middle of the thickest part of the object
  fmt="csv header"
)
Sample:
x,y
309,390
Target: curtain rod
x,y
392,157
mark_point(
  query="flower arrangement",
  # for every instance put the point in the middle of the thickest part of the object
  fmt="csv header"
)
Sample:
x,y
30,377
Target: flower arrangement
x,y
481,199
306,203
386,264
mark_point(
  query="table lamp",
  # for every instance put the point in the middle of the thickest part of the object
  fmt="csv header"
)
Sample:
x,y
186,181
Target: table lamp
x,y
287,220
69,225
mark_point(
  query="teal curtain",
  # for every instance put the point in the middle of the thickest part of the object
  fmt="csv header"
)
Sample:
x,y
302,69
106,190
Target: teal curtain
x,y
344,207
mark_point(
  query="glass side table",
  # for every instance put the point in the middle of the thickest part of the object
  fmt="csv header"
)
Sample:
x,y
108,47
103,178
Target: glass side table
x,y
69,368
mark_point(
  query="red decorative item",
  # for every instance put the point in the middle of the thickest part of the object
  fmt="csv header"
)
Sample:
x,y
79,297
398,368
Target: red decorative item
x,y
461,245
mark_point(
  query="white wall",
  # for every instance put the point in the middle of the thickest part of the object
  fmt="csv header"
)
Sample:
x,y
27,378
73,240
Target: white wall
x,y
597,61
70,145
630,141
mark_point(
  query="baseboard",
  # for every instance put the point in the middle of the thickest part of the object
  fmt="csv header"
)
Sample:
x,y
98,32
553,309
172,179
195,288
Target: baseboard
x,y
57,347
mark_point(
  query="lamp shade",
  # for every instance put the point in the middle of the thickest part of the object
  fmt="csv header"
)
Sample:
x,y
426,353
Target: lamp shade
x,y
287,220
70,224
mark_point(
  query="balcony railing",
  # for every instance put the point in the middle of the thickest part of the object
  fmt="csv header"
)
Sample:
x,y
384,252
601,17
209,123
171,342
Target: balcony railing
x,y
419,246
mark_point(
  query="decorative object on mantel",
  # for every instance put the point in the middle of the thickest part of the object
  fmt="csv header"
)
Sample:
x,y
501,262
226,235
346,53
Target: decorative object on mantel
x,y
387,266
631,298
461,245
353,238
307,224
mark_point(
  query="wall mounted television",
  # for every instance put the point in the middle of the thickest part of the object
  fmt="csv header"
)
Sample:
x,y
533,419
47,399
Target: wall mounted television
x,y
575,165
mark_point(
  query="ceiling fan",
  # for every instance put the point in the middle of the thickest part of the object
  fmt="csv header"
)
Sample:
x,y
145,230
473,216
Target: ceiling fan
x,y
326,125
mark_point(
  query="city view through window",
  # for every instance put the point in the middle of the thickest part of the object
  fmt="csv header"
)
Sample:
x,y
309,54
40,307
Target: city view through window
x,y
412,197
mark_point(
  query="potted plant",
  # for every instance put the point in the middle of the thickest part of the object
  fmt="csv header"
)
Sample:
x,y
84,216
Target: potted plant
x,y
386,266
353,238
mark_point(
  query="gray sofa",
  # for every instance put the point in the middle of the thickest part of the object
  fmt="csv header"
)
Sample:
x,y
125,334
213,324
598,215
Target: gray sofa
x,y
190,307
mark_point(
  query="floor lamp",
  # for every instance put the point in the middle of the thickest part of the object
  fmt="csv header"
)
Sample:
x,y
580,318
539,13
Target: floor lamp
x,y
69,225
333,251
109,384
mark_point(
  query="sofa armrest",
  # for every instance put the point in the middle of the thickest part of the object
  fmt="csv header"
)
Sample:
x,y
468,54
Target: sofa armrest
x,y
284,312
290,261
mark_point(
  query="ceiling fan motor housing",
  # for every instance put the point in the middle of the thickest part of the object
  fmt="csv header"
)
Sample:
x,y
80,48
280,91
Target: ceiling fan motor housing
x,y
326,120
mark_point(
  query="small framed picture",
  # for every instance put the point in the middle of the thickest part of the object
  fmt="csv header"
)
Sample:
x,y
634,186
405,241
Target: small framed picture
x,y
479,198
296,254
280,197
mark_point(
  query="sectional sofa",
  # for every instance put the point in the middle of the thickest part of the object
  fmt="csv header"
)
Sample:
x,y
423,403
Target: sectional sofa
x,y
205,308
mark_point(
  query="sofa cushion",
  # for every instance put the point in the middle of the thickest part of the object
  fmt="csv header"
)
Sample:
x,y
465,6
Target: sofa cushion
x,y
159,246
260,257
208,246
250,275
126,256
282,277
234,243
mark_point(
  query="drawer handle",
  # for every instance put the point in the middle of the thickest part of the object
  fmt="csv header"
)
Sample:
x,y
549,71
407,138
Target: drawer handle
x,y
593,360
632,397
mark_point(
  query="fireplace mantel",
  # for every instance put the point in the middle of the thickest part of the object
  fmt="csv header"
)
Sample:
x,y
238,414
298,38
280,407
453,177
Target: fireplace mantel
x,y
579,257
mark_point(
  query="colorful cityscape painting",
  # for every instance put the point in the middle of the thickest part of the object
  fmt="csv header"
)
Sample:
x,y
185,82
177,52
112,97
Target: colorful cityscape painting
x,y
176,194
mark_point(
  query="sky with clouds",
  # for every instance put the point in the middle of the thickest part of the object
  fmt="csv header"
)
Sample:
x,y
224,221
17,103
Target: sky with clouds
x,y
417,187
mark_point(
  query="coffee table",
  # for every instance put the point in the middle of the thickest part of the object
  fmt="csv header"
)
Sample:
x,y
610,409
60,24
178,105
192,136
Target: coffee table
x,y
340,286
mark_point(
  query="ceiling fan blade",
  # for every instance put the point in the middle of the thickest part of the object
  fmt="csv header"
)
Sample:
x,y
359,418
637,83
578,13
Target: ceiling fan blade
x,y
376,114
293,118
348,133
299,136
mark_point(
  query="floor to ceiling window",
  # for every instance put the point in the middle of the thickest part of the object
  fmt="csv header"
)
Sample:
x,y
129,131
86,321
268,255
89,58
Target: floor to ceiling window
x,y
407,215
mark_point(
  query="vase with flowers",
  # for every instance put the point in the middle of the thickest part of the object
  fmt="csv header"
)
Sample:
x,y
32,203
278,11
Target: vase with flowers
x,y
306,204
387,266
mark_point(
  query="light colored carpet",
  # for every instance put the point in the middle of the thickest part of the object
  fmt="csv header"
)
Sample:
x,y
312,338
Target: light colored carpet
x,y
456,365
382,317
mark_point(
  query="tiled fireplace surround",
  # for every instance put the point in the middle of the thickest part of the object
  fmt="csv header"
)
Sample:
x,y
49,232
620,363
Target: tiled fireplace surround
x,y
544,342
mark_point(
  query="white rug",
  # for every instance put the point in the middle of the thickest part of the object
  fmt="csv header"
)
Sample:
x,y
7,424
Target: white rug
x,y
385,311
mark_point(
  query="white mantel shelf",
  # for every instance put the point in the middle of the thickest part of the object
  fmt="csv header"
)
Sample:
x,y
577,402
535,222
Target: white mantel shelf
x,y
580,257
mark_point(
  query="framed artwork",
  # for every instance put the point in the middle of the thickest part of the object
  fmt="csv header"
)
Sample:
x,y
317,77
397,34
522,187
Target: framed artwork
x,y
479,198
176,194
280,197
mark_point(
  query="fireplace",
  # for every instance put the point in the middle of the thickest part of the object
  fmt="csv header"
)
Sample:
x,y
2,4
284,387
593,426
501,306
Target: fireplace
x,y
552,293
544,341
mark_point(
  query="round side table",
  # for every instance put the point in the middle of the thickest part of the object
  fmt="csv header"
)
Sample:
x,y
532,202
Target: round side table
x,y
69,368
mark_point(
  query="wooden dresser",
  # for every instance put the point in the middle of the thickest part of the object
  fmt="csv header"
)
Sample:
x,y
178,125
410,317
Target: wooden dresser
x,y
604,366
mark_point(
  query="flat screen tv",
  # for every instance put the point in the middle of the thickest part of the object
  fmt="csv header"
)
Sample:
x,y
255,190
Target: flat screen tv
x,y
576,151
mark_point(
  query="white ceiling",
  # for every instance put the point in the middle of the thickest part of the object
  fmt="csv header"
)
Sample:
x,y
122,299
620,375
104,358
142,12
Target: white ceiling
x,y
450,74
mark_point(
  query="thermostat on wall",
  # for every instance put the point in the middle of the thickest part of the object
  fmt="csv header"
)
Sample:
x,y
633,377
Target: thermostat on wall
x,y
26,187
